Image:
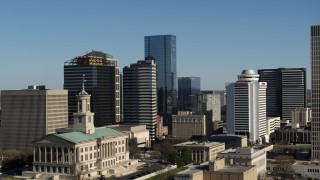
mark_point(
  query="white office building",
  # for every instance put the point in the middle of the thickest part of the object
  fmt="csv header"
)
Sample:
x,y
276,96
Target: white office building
x,y
246,107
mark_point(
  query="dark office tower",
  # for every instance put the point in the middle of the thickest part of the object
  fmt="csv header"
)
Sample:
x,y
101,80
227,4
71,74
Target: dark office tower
x,y
315,92
286,90
163,49
188,87
102,82
140,94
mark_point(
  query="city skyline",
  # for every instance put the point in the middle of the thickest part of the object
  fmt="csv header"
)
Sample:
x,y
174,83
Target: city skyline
x,y
226,36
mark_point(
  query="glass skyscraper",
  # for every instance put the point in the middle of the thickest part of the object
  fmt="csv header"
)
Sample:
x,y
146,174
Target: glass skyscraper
x,y
188,87
163,49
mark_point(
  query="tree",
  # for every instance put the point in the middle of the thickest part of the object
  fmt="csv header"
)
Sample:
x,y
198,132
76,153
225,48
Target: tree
x,y
165,147
180,159
283,167
16,159
79,171
186,156
134,151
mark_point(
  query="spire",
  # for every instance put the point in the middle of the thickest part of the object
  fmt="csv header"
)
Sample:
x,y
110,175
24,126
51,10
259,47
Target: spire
x,y
83,91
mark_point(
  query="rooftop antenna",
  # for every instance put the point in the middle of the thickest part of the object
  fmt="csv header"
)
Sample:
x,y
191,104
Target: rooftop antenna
x,y
83,81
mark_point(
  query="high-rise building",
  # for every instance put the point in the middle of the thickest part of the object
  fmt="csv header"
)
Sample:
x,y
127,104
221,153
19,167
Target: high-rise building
x,y
102,77
286,90
163,49
315,91
30,114
208,103
188,87
140,94
246,107
301,117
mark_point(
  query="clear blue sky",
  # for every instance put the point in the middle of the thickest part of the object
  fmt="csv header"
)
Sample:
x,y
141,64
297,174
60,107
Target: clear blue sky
x,y
216,39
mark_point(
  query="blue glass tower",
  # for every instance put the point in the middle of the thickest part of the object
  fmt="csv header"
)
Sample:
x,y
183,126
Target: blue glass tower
x,y
188,87
163,49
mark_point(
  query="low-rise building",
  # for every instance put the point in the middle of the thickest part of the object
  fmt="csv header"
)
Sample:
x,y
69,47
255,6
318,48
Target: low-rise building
x,y
138,134
218,170
288,135
231,140
307,169
201,152
246,156
185,124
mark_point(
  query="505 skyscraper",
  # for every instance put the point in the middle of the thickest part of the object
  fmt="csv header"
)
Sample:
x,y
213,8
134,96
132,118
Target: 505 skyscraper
x,y
163,49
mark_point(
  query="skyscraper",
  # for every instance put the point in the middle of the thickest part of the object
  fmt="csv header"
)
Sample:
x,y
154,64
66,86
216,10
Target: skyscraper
x,y
140,94
286,90
163,49
315,91
102,77
246,106
209,103
30,114
188,87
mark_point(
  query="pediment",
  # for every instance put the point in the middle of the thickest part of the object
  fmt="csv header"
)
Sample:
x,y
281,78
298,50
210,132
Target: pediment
x,y
52,139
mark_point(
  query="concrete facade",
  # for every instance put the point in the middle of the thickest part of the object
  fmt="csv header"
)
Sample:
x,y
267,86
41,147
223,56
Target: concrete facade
x,y
273,123
209,103
246,107
138,134
201,152
218,170
140,95
30,114
246,156
184,125
300,117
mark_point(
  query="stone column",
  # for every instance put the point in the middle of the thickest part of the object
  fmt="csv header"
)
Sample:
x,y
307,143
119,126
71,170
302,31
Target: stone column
x,y
57,158
75,151
69,156
102,150
62,155
39,147
34,154
51,159
45,154
106,153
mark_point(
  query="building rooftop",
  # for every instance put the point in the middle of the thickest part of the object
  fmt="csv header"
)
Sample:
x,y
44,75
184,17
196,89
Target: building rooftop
x,y
200,144
236,169
80,136
310,163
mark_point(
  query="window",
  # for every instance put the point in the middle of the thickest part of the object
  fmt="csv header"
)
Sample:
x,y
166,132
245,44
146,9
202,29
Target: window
x,y
90,148
81,157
